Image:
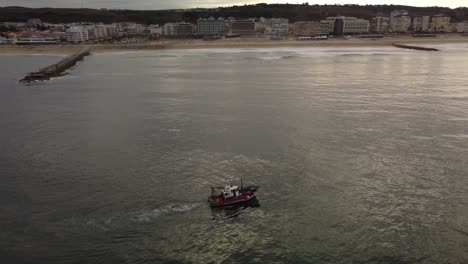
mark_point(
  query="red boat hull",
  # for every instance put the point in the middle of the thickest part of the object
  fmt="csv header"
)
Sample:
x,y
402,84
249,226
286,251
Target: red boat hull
x,y
239,199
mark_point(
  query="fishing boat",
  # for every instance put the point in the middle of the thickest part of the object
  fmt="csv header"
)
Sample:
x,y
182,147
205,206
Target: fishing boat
x,y
231,195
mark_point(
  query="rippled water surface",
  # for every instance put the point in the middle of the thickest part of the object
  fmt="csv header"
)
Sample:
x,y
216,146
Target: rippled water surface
x,y
361,155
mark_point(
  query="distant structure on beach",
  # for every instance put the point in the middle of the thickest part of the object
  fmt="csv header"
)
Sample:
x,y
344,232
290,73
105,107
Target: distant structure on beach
x,y
212,27
77,34
179,29
243,27
380,23
400,21
342,25
440,23
279,26
421,23
306,28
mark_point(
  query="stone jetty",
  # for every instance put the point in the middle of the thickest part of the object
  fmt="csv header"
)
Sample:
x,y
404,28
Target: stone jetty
x,y
403,46
56,69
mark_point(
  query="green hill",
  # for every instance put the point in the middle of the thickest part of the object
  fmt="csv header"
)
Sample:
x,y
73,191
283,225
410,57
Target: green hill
x,y
291,11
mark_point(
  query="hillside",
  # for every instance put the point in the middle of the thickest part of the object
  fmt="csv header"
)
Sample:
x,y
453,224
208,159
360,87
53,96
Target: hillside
x,y
293,12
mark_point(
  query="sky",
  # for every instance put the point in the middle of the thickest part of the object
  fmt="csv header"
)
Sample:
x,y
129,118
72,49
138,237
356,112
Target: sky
x,y
170,4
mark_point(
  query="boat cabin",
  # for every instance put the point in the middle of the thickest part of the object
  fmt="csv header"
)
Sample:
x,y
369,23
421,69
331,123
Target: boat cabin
x,y
230,191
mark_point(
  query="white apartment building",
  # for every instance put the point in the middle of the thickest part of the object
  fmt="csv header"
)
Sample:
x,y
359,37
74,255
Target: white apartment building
x,y
111,30
77,34
381,23
326,26
155,30
180,29
344,25
130,28
3,40
211,27
168,29
354,25
92,33
461,27
102,32
279,26
400,24
400,21
421,23
440,23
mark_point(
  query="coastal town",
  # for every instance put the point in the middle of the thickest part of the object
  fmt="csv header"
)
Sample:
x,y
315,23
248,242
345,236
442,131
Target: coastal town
x,y
399,22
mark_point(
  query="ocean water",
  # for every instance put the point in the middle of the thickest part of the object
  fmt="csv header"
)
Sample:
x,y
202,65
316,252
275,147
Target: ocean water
x,y
361,156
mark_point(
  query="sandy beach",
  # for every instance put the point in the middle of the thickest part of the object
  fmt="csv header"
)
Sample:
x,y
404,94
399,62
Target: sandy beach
x,y
42,49
247,42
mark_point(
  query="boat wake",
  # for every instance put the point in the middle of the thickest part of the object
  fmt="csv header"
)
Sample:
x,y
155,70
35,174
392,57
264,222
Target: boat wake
x,y
172,208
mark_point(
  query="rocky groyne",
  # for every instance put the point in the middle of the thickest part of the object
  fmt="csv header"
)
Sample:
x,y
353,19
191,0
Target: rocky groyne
x,y
56,69
403,46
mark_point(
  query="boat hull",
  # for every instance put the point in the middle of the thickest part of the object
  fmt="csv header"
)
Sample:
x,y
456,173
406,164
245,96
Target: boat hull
x,y
218,202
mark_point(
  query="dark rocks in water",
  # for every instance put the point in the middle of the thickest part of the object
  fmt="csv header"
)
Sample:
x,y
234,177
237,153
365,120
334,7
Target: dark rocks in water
x,y
56,69
402,46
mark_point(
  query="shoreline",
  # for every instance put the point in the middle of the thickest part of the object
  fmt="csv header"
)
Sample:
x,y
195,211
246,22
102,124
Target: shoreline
x,y
238,43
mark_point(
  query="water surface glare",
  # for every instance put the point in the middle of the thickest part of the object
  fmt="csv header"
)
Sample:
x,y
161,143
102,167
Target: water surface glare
x,y
361,155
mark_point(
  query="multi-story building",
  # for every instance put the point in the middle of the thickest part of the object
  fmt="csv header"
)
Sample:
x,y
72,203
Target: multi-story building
x,y
440,23
155,30
457,27
263,25
77,34
279,26
400,21
133,28
180,29
381,23
421,23
400,24
326,27
261,28
111,31
306,28
211,27
97,32
342,25
184,29
4,40
354,25
92,33
243,27
168,29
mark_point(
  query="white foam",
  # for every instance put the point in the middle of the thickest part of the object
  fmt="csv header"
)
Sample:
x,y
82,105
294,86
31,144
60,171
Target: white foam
x,y
146,216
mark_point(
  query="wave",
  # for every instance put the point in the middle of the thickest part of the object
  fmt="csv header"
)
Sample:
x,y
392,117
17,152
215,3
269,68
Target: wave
x,y
148,215
363,54
271,54
174,130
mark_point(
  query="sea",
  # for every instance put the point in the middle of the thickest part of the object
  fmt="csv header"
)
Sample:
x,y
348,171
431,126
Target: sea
x,y
361,155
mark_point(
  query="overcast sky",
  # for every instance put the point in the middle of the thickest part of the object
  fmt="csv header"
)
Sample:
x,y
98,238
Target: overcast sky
x,y
168,4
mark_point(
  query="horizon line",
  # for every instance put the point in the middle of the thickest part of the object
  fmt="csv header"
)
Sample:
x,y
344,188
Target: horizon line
x,y
229,6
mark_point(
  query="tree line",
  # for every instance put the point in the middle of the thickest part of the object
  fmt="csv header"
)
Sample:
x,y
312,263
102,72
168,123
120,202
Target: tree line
x,y
294,12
